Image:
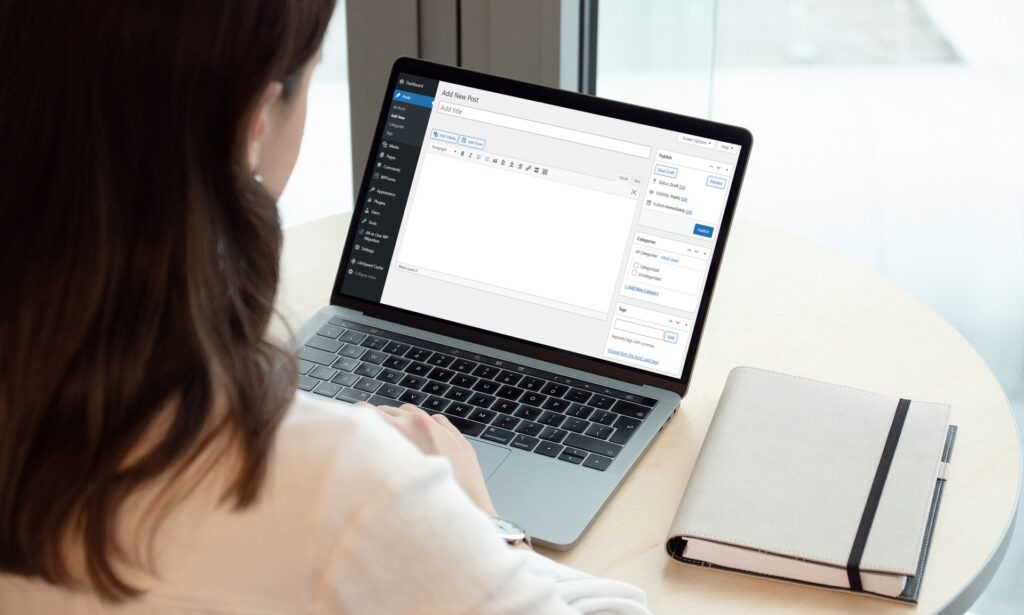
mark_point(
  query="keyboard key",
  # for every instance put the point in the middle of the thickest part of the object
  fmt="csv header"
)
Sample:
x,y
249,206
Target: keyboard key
x,y
458,394
485,371
509,392
463,365
572,455
602,401
439,359
324,343
496,434
316,356
368,384
331,331
551,418
553,434
524,442
481,399
486,386
459,409
464,381
306,383
440,375
597,462
392,391
412,382
625,427
528,412
412,397
576,425
435,403
510,378
345,379
578,395
505,421
435,388
352,337
597,430
375,356
532,384
397,348
484,416
417,369
346,364
532,399
554,390
504,406
352,351
417,354
548,449
467,427
604,417
367,369
555,405
374,343
396,362
579,411
390,375
353,395
592,445
323,372
626,408
327,389
529,428
305,366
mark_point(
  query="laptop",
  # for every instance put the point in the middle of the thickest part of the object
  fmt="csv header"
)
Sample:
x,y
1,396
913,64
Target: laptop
x,y
535,264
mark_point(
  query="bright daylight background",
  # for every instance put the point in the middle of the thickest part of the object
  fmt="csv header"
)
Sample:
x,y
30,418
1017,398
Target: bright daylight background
x,y
890,131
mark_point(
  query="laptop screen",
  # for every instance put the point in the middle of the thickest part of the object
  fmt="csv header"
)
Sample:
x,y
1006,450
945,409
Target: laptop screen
x,y
557,226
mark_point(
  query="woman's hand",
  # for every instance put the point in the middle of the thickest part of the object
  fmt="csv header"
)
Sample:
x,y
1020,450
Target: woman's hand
x,y
435,435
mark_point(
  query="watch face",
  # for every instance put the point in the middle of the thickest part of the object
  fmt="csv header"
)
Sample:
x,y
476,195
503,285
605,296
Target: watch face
x,y
508,530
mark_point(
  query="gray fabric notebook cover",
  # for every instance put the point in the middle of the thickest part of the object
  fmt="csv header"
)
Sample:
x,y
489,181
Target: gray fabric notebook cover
x,y
787,466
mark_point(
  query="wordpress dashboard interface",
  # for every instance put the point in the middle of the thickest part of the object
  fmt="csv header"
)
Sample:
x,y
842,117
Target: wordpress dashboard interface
x,y
552,225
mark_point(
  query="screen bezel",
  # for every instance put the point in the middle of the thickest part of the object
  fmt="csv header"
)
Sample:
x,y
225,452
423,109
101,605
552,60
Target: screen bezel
x,y
569,100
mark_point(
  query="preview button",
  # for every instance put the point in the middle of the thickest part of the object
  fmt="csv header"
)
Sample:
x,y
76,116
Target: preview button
x,y
716,182
702,230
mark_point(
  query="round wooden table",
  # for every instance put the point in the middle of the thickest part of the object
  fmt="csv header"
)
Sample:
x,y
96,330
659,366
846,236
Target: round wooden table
x,y
787,305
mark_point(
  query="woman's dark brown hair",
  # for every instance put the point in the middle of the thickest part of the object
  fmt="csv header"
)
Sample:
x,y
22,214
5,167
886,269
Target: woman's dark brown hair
x,y
139,262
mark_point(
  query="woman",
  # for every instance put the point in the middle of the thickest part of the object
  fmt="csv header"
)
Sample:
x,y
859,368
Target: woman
x,y
153,455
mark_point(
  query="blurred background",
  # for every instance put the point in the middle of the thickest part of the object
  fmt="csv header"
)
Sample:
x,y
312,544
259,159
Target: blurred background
x,y
890,131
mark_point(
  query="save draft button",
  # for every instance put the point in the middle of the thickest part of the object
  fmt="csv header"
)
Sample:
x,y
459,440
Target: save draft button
x,y
703,230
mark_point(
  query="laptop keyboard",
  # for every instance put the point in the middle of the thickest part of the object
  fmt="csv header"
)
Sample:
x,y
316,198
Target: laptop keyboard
x,y
485,398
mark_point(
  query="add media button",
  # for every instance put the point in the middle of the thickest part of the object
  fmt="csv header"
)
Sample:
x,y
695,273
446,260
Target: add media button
x,y
703,230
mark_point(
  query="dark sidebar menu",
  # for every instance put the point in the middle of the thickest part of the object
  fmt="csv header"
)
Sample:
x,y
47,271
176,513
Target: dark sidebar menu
x,y
379,215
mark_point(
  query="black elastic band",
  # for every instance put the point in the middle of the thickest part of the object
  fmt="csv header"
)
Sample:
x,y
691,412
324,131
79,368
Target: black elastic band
x,y
875,495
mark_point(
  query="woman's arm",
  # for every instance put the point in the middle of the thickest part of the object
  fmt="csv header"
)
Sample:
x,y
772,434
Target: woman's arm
x,y
419,544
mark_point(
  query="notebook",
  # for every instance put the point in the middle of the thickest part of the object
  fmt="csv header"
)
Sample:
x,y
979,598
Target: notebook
x,y
816,483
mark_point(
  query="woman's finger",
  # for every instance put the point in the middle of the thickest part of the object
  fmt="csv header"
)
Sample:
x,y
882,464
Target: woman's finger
x,y
391,411
412,408
444,422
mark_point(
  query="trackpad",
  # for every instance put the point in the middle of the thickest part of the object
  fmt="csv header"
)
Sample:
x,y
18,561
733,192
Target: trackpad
x,y
490,456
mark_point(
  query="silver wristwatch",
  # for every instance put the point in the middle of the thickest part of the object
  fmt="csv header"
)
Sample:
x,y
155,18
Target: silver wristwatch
x,y
510,531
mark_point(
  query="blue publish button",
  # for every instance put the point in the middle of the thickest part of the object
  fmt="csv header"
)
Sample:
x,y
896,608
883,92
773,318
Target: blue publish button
x,y
703,230
413,98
